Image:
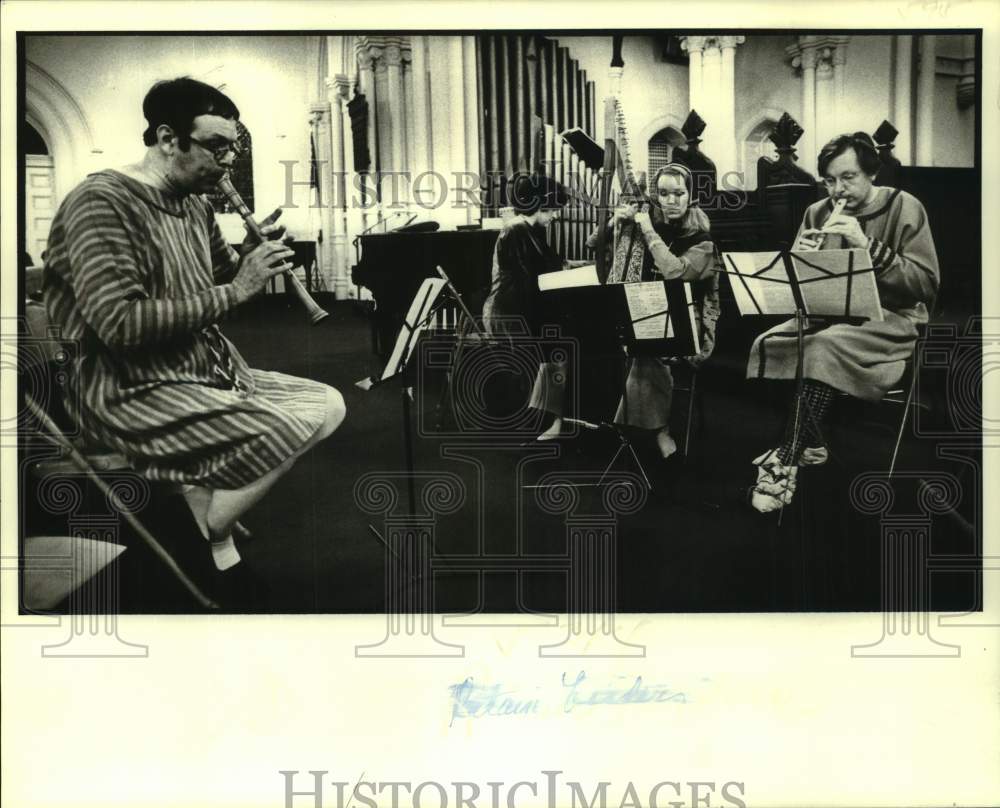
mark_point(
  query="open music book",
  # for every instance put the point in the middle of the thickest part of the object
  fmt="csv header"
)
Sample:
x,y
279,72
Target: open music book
x,y
567,278
585,147
646,301
835,283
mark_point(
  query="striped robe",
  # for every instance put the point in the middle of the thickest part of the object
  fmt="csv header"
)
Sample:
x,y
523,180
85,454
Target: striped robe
x,y
864,360
137,278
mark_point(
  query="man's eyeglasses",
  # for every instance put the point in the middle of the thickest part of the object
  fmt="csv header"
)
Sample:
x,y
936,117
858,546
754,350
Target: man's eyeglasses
x,y
220,153
848,179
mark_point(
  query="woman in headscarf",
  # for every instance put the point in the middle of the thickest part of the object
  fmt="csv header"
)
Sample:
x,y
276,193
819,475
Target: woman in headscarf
x,y
670,241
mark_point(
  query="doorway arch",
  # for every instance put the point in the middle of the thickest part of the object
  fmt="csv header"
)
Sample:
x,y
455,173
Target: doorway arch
x,y
62,124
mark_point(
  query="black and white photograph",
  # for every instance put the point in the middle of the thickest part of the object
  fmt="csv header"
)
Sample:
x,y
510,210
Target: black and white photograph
x,y
523,330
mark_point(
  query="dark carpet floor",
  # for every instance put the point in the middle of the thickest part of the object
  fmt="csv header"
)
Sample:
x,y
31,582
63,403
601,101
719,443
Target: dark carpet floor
x,y
498,545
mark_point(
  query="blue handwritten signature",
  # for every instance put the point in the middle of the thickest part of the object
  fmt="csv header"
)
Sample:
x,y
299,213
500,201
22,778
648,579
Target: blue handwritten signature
x,y
472,700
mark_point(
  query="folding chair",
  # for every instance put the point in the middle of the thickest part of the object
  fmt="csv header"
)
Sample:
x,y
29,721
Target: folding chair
x,y
88,460
904,394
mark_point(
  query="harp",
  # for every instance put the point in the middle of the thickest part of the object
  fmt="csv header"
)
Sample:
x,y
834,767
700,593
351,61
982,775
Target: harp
x,y
620,249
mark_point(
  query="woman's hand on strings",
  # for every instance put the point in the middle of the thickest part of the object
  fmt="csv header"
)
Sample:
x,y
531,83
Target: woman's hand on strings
x,y
642,219
624,213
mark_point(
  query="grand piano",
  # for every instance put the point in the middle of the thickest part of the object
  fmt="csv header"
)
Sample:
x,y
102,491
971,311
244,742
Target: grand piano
x,y
393,265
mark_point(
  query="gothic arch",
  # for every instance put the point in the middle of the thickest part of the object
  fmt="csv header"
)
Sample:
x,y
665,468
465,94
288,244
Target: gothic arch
x,y
640,140
57,116
753,144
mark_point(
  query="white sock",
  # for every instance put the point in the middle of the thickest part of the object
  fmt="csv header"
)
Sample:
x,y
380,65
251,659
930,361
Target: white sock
x,y
224,553
666,444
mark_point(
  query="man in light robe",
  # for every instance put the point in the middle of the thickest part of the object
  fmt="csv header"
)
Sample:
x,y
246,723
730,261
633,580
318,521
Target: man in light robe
x,y
865,360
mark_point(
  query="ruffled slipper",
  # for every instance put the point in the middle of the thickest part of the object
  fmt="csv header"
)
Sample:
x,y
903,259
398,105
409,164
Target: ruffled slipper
x,y
775,485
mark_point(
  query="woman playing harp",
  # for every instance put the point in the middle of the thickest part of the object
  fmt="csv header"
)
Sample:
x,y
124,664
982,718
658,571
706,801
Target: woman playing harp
x,y
670,241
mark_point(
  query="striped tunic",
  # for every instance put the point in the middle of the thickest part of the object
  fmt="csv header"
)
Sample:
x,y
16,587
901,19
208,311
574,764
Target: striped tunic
x,y
138,278
864,360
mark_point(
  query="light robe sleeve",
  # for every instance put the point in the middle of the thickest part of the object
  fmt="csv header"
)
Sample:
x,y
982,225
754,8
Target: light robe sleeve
x,y
906,263
108,281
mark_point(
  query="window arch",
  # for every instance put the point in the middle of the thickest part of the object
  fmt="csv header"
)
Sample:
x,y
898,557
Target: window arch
x,y
661,149
755,145
240,173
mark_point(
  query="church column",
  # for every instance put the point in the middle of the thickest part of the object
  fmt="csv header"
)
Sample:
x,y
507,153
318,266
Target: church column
x,y
903,99
419,112
323,138
709,109
472,213
839,60
456,105
712,93
366,80
803,56
925,101
809,108
396,193
338,89
725,161
695,47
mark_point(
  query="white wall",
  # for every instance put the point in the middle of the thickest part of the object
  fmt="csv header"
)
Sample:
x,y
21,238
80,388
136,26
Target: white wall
x,y
954,128
270,78
766,87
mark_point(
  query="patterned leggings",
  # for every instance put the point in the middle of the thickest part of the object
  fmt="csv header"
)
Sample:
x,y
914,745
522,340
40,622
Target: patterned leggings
x,y
812,408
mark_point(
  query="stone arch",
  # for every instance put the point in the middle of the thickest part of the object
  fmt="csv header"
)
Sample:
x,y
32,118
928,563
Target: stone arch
x,y
640,140
754,144
61,122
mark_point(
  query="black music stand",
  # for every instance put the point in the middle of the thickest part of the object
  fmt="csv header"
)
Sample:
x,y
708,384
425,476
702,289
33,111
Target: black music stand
x,y
607,319
805,284
426,303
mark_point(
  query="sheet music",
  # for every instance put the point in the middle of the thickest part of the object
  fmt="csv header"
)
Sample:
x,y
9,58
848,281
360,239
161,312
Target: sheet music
x,y
695,331
414,323
770,290
567,278
823,277
828,294
647,306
